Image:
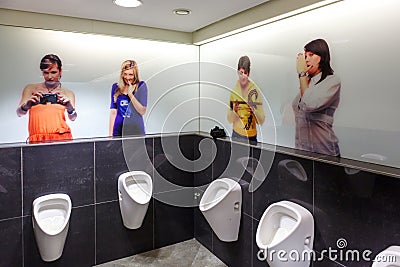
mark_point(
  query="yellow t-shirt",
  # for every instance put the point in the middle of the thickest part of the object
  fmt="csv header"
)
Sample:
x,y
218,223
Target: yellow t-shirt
x,y
247,125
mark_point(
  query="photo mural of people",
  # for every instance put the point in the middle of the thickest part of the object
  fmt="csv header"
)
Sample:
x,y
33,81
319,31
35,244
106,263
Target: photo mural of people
x,y
128,102
47,103
245,104
315,104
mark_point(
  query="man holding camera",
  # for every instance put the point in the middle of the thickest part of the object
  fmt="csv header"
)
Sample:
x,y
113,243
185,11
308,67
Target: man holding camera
x,y
47,103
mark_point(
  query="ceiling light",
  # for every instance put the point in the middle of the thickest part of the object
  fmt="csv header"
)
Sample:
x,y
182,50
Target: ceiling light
x,y
182,11
128,3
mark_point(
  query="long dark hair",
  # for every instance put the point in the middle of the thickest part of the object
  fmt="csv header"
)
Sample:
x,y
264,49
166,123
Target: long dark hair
x,y
320,47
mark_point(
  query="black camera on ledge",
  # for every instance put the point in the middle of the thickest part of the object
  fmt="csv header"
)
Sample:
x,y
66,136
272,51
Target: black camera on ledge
x,y
217,132
52,98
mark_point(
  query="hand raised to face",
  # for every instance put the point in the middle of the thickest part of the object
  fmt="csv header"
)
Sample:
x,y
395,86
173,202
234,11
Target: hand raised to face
x,y
301,65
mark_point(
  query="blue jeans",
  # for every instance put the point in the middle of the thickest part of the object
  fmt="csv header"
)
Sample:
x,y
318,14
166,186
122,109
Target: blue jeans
x,y
251,139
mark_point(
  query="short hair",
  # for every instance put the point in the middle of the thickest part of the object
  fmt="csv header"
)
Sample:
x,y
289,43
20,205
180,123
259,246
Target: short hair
x,y
49,60
244,63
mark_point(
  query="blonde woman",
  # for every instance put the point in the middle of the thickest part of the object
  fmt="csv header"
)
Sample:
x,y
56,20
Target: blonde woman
x,y
128,102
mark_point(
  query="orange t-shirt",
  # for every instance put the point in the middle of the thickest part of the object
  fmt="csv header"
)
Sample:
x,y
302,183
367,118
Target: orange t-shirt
x,y
47,122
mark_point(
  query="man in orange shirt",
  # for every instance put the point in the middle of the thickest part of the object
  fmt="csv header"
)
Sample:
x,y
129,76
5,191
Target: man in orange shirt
x,y
47,103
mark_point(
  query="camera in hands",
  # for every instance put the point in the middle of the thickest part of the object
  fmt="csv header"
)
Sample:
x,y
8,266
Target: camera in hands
x,y
52,98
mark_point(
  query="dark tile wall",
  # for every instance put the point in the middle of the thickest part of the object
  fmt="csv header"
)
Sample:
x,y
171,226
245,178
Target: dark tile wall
x,y
356,208
88,172
110,164
264,180
10,183
113,240
79,245
11,242
61,168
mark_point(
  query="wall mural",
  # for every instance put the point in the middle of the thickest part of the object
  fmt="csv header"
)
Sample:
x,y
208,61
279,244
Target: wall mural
x,y
81,92
352,113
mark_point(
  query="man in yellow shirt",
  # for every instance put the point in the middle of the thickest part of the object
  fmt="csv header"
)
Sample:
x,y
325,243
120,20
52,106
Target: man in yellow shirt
x,y
245,104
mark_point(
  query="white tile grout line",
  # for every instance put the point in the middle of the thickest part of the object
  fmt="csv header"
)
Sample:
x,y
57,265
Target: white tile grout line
x,y
22,207
153,170
94,199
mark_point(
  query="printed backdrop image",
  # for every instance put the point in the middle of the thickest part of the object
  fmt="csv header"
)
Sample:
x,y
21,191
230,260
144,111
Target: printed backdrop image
x,y
363,55
91,64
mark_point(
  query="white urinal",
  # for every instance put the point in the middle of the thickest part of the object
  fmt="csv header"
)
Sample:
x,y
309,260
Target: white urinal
x,y
221,206
135,189
288,227
390,257
50,219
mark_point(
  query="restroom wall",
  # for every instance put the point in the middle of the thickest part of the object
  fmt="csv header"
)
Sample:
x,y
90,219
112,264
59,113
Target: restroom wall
x,y
358,209
88,173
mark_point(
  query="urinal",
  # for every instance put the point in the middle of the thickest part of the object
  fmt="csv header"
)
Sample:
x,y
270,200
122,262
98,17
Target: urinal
x,y
50,219
285,231
390,257
292,169
221,206
135,189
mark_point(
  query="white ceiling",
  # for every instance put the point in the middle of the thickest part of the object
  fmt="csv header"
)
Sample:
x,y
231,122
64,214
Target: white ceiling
x,y
153,13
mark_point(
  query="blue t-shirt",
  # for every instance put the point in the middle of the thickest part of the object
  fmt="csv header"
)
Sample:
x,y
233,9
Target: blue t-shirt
x,y
128,121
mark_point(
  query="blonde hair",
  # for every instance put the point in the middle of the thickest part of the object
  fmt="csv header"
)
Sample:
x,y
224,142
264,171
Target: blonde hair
x,y
127,65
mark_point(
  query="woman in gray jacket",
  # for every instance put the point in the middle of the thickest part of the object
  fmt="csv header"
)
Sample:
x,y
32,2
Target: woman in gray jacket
x,y
317,100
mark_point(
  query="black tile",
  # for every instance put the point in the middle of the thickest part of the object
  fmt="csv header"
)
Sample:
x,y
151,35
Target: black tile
x,y
232,160
125,242
186,145
202,230
11,242
282,184
172,224
204,150
184,197
10,183
222,158
237,253
79,248
116,157
109,153
172,169
357,207
321,261
61,168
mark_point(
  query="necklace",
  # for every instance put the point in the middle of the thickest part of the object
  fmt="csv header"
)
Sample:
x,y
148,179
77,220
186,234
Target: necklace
x,y
50,86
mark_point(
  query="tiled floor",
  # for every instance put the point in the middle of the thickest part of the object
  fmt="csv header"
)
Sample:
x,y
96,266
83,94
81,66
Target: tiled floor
x,y
184,254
